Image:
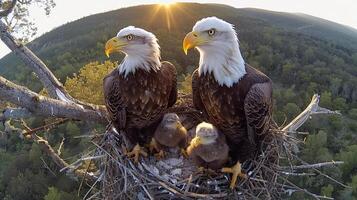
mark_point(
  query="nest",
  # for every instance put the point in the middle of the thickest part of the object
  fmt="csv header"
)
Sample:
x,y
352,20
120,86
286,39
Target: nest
x,y
176,177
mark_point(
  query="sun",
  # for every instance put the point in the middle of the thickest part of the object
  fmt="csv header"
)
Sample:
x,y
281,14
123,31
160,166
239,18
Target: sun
x,y
166,3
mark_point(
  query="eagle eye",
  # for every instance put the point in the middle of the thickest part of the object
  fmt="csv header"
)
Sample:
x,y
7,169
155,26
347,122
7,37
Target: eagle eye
x,y
211,32
130,37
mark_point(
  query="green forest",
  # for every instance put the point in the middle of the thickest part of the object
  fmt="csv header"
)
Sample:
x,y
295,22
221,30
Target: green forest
x,y
301,62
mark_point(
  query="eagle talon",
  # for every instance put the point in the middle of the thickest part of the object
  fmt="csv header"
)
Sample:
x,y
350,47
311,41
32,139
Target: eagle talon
x,y
160,155
153,146
236,171
136,152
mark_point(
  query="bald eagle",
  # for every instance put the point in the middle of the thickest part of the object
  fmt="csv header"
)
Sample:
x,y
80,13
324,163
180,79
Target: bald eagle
x,y
138,92
234,96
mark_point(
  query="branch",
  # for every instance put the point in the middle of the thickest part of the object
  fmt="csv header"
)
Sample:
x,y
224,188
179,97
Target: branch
x,y
54,88
312,109
14,113
297,174
45,127
8,10
46,147
31,60
47,107
58,160
317,165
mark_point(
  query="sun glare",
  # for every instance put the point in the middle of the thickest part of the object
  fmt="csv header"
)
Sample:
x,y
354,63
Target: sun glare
x,y
166,3
165,6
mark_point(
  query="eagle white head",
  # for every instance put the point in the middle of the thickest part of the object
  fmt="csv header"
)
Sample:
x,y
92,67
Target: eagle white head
x,y
206,133
139,46
217,42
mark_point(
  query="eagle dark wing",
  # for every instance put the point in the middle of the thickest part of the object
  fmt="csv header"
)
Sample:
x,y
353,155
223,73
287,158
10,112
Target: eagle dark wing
x,y
196,97
258,109
113,100
170,70
140,99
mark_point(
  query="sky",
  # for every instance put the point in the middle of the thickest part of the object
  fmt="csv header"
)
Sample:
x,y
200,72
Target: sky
x,y
340,11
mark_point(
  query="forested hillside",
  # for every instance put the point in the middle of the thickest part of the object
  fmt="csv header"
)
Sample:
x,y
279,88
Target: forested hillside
x,y
303,55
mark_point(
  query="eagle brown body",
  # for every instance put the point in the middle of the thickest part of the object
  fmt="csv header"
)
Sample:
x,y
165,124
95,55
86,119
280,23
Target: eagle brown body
x,y
212,156
242,112
137,102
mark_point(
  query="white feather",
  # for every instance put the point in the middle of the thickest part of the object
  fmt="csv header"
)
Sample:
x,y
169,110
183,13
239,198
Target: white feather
x,y
145,56
221,56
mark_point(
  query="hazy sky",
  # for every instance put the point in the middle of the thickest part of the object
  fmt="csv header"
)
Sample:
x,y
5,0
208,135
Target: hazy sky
x,y
341,11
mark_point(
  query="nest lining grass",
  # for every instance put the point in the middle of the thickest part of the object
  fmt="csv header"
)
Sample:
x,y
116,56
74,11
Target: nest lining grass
x,y
175,177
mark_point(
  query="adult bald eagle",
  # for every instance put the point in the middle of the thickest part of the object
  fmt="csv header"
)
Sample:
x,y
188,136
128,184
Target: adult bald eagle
x,y
234,96
138,92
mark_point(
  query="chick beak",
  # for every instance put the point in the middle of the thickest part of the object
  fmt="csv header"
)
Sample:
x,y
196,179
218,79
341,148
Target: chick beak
x,y
191,40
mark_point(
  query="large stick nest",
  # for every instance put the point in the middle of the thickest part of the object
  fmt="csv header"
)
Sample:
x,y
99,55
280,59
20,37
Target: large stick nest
x,y
176,177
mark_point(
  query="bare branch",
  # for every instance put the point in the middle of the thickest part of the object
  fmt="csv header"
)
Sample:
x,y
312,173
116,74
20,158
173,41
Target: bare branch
x,y
297,174
47,167
14,113
54,88
317,165
45,127
57,159
46,147
311,109
9,9
31,60
59,150
43,106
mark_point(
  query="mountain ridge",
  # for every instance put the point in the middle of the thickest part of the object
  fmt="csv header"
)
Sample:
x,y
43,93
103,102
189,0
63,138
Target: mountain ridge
x,y
68,47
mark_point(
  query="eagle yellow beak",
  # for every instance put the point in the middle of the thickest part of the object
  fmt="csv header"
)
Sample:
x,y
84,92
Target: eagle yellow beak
x,y
114,45
191,40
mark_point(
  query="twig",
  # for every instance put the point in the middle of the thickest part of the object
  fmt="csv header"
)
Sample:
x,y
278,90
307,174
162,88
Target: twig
x,y
73,165
322,174
59,150
312,108
297,174
317,165
45,127
47,167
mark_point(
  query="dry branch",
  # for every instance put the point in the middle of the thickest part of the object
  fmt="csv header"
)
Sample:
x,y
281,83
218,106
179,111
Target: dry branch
x,y
46,147
15,113
54,88
47,107
46,77
312,109
318,165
